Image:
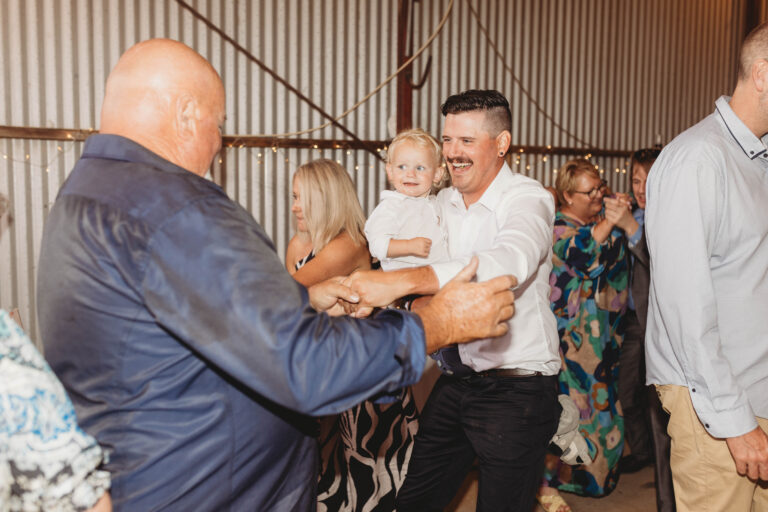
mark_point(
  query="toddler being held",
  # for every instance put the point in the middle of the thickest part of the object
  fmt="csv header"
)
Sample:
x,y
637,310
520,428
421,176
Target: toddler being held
x,y
404,230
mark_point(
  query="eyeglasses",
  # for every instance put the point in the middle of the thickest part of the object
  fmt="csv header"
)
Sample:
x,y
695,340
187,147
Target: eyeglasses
x,y
592,193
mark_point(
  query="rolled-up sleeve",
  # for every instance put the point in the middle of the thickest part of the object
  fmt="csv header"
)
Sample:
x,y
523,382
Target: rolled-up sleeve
x,y
685,203
224,293
380,228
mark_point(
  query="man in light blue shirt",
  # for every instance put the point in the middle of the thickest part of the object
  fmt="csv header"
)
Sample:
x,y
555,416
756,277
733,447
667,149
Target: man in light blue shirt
x,y
707,334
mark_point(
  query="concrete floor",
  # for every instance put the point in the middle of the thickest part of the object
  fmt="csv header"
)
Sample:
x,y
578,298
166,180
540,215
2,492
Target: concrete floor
x,y
634,493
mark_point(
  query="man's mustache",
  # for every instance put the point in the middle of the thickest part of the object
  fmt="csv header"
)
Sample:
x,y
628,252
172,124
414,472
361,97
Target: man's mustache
x,y
453,161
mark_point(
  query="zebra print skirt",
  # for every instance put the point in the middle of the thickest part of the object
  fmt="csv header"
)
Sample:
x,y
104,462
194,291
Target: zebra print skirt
x,y
364,456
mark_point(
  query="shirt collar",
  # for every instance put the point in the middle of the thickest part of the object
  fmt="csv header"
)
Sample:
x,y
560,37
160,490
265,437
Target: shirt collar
x,y
752,146
116,147
394,194
492,195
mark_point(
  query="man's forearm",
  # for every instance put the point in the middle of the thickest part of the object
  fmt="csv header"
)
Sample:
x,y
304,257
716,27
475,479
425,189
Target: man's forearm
x,y
379,289
419,281
435,329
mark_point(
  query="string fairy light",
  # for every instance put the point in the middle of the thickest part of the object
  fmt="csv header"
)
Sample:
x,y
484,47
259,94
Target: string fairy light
x,y
28,161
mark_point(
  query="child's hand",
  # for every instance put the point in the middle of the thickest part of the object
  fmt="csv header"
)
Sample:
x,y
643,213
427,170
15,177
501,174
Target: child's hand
x,y
419,246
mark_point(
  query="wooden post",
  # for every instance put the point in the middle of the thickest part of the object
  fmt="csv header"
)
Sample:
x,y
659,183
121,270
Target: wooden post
x,y
404,88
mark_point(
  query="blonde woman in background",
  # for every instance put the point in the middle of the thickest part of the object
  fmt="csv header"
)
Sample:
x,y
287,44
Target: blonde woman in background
x,y
364,451
329,222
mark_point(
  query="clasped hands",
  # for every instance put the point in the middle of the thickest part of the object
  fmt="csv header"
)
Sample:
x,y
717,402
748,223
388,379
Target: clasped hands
x,y
461,311
618,211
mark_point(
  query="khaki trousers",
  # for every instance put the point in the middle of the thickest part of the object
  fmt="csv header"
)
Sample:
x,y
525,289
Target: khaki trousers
x,y
703,471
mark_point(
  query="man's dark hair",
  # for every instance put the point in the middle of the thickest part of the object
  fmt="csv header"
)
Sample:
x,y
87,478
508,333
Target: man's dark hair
x,y
495,105
645,157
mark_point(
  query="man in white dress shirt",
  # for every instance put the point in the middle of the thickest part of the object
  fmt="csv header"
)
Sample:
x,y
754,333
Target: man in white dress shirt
x,y
707,337
497,398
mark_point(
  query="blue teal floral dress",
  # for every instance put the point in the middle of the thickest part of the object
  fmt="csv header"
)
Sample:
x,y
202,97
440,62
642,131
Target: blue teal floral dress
x,y
46,461
589,297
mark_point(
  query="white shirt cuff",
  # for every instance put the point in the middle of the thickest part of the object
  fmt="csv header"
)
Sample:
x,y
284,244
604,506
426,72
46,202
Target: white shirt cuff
x,y
446,271
380,247
722,424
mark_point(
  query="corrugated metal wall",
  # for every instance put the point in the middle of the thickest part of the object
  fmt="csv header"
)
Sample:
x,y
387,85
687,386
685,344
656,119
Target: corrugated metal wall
x,y
608,74
613,74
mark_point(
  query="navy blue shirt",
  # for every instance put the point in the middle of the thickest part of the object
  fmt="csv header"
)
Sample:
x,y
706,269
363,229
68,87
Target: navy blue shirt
x,y
186,347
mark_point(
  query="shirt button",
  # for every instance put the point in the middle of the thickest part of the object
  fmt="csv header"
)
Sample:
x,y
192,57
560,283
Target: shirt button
x,y
751,152
706,425
693,390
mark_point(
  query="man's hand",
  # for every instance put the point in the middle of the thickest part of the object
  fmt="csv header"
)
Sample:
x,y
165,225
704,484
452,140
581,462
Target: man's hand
x,y
374,287
750,453
325,296
462,311
379,289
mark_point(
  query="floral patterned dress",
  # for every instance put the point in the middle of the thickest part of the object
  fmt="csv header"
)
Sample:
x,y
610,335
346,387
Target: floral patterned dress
x,y
589,297
46,461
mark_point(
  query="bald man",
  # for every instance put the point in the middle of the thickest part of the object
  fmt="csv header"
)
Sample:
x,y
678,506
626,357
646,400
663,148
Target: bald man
x,y
186,347
707,329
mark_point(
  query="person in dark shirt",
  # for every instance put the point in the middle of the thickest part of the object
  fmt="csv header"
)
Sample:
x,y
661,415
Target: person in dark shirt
x,y
187,349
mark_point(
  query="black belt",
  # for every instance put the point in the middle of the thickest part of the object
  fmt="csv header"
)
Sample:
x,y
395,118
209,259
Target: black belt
x,y
506,372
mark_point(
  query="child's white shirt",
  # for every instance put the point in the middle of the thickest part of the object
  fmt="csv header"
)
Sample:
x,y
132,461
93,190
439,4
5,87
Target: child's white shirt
x,y
403,217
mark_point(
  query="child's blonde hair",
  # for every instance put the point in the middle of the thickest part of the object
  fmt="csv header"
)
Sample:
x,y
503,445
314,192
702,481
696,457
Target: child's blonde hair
x,y
422,139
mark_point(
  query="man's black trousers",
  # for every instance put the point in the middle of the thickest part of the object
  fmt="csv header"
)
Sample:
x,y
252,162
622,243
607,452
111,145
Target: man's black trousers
x,y
505,423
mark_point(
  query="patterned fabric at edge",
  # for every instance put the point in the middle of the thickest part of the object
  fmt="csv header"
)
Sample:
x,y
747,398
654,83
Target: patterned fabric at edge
x,y
364,452
589,297
46,461
365,456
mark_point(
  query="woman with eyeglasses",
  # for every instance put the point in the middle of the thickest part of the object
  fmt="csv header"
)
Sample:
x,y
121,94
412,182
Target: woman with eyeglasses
x,y
589,296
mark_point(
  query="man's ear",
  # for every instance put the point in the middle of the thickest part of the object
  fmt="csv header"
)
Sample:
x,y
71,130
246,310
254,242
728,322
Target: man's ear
x,y
760,75
503,140
187,115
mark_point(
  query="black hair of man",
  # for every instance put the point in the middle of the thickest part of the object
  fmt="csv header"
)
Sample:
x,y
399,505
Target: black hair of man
x,y
497,113
645,157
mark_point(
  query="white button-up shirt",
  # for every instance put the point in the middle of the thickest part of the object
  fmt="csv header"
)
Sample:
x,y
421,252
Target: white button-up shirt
x,y
510,229
707,233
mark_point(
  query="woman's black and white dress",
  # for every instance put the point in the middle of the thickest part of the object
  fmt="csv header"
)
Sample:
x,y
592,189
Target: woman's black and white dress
x,y
364,453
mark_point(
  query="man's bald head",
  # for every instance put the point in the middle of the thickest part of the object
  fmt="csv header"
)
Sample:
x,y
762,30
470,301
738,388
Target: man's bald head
x,y
166,97
755,47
